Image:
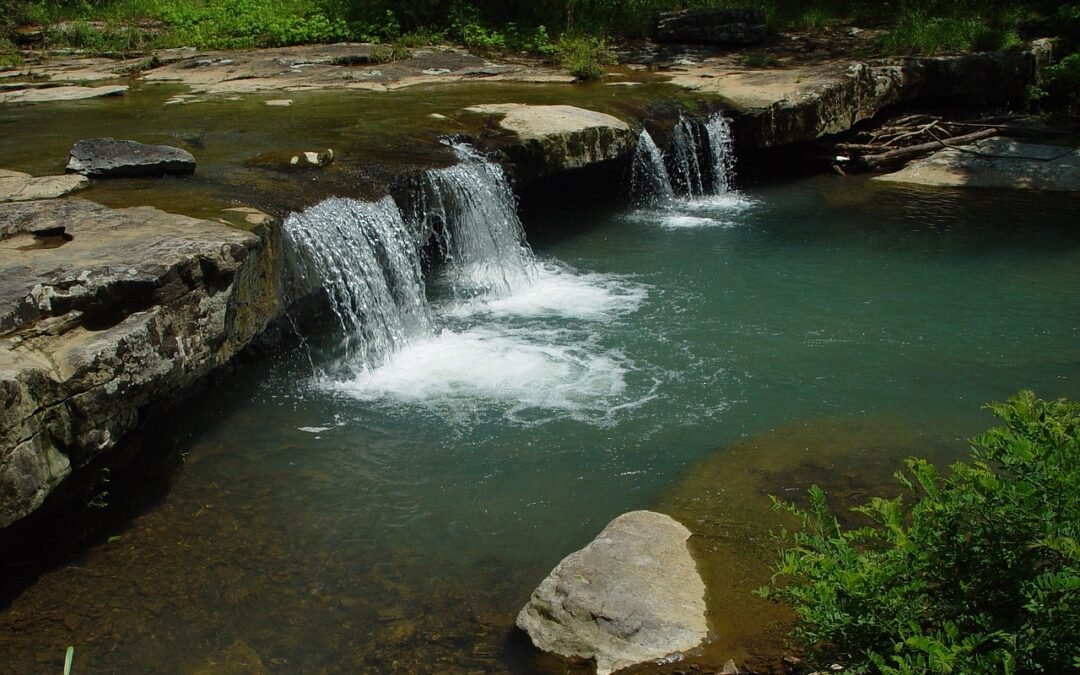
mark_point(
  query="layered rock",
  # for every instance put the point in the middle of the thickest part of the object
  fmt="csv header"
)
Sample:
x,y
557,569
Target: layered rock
x,y
713,26
112,157
103,312
996,163
541,140
632,595
16,186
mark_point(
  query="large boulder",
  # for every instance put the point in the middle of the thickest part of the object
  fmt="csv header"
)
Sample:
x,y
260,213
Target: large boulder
x,y
632,595
713,26
104,312
541,140
996,163
112,157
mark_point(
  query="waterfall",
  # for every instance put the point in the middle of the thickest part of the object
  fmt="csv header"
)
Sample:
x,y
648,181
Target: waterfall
x,y
702,158
722,153
649,179
473,211
364,257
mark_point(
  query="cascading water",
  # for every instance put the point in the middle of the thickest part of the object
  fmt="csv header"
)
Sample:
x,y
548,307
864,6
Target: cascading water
x,y
363,255
649,179
472,208
499,336
692,183
686,155
722,153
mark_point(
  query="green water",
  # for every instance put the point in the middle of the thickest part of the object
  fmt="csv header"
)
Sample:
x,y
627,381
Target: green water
x,y
403,529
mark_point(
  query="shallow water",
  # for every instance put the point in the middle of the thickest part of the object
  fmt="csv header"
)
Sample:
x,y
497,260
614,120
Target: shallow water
x,y
396,520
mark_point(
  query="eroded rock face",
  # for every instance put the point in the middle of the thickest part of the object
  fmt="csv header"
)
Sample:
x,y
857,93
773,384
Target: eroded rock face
x,y
996,163
713,26
50,94
103,312
547,139
632,595
112,157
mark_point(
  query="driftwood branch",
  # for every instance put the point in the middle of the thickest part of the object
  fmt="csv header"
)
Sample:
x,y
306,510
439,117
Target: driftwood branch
x,y
881,159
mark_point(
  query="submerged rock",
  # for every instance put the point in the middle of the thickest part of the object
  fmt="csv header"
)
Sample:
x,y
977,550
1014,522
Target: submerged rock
x,y
236,659
713,26
20,187
102,313
996,163
632,595
293,160
112,157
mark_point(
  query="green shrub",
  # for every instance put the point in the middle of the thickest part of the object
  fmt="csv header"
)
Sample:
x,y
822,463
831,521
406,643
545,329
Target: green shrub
x,y
980,574
584,57
389,53
1059,91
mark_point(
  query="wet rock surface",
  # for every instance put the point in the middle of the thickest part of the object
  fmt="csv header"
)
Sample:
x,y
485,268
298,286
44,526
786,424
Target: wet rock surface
x,y
713,26
632,595
103,312
111,157
996,163
16,186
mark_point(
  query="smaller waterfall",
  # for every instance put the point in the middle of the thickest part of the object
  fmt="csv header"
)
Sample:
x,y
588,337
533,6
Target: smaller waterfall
x,y
702,157
364,257
686,174
649,179
722,153
472,208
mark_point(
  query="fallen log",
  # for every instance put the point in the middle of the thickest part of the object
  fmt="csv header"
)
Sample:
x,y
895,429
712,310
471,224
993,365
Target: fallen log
x,y
912,151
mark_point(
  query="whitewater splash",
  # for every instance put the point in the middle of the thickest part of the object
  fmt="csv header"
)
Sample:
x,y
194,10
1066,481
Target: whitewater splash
x,y
692,186
473,211
363,257
516,333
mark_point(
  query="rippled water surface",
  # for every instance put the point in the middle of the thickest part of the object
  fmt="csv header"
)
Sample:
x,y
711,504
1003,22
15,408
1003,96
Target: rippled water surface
x,y
396,520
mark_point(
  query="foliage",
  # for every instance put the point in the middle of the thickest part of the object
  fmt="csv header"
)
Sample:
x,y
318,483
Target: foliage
x,y
919,33
248,23
980,574
584,57
389,53
1060,88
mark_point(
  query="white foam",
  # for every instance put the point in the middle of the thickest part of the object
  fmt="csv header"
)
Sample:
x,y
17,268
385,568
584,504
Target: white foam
x,y
556,291
527,371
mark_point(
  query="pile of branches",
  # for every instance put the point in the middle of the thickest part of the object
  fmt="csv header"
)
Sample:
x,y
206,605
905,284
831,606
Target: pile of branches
x,y
913,136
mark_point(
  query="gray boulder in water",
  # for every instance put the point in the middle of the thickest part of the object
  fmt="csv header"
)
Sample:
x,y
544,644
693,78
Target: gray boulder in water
x,y
713,26
112,157
631,596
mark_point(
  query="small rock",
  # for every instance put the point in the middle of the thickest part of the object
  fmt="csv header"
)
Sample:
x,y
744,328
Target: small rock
x,y
249,216
112,157
730,668
280,102
236,659
285,160
72,622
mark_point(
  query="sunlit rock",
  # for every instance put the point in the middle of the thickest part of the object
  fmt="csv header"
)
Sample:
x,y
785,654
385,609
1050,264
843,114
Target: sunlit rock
x,y
632,595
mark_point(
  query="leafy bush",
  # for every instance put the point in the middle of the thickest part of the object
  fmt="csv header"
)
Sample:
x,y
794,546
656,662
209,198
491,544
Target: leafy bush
x,y
248,23
1060,88
584,57
980,574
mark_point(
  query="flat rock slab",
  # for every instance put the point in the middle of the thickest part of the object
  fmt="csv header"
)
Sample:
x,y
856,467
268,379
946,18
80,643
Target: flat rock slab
x,y
18,187
548,139
539,121
50,94
996,163
631,596
112,157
